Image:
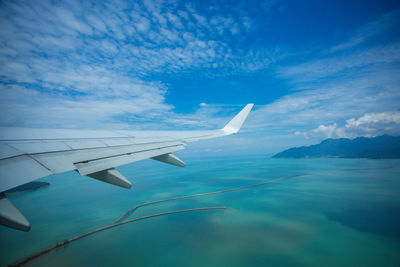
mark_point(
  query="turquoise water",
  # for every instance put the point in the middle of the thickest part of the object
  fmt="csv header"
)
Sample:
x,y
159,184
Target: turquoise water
x,y
348,218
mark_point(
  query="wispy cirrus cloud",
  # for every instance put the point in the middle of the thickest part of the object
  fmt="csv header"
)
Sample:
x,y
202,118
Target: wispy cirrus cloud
x,y
74,59
345,81
343,65
370,47
330,102
386,24
147,37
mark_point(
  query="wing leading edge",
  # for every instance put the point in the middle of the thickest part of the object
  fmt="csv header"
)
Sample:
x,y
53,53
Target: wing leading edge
x,y
30,154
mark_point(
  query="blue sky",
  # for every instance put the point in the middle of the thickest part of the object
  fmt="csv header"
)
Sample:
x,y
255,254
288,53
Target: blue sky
x,y
314,69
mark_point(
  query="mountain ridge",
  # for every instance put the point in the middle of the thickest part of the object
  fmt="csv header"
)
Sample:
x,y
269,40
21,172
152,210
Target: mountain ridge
x,y
379,147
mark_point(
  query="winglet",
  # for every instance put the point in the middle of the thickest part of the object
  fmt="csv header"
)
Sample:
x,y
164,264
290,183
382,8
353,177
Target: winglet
x,y
234,125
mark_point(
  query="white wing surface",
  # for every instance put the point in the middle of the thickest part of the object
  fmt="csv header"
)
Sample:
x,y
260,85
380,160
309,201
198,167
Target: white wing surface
x,y
30,154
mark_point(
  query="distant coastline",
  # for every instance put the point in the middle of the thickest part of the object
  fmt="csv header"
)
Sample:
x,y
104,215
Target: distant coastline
x,y
28,187
379,147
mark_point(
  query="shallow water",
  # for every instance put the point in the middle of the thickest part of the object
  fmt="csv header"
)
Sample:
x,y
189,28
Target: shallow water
x,y
345,218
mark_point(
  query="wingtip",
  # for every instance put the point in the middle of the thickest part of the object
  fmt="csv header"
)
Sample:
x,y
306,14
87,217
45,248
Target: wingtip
x,y
236,123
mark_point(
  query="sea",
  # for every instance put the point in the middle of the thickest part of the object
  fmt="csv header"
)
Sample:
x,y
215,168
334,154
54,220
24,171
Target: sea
x,y
326,212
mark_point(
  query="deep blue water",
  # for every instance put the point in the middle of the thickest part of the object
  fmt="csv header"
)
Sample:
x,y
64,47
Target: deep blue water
x,y
348,218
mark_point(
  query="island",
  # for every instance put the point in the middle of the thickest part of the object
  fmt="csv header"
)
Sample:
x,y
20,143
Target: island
x,y
379,147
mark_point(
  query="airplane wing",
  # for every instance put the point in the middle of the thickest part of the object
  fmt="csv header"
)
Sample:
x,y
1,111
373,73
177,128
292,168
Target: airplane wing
x,y
30,154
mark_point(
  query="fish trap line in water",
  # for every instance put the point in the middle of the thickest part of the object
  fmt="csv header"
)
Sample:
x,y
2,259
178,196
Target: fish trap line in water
x,y
131,211
46,251
120,221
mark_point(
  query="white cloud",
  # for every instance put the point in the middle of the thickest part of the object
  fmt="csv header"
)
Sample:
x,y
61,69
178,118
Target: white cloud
x,y
152,37
372,124
327,131
206,116
56,110
78,59
369,125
